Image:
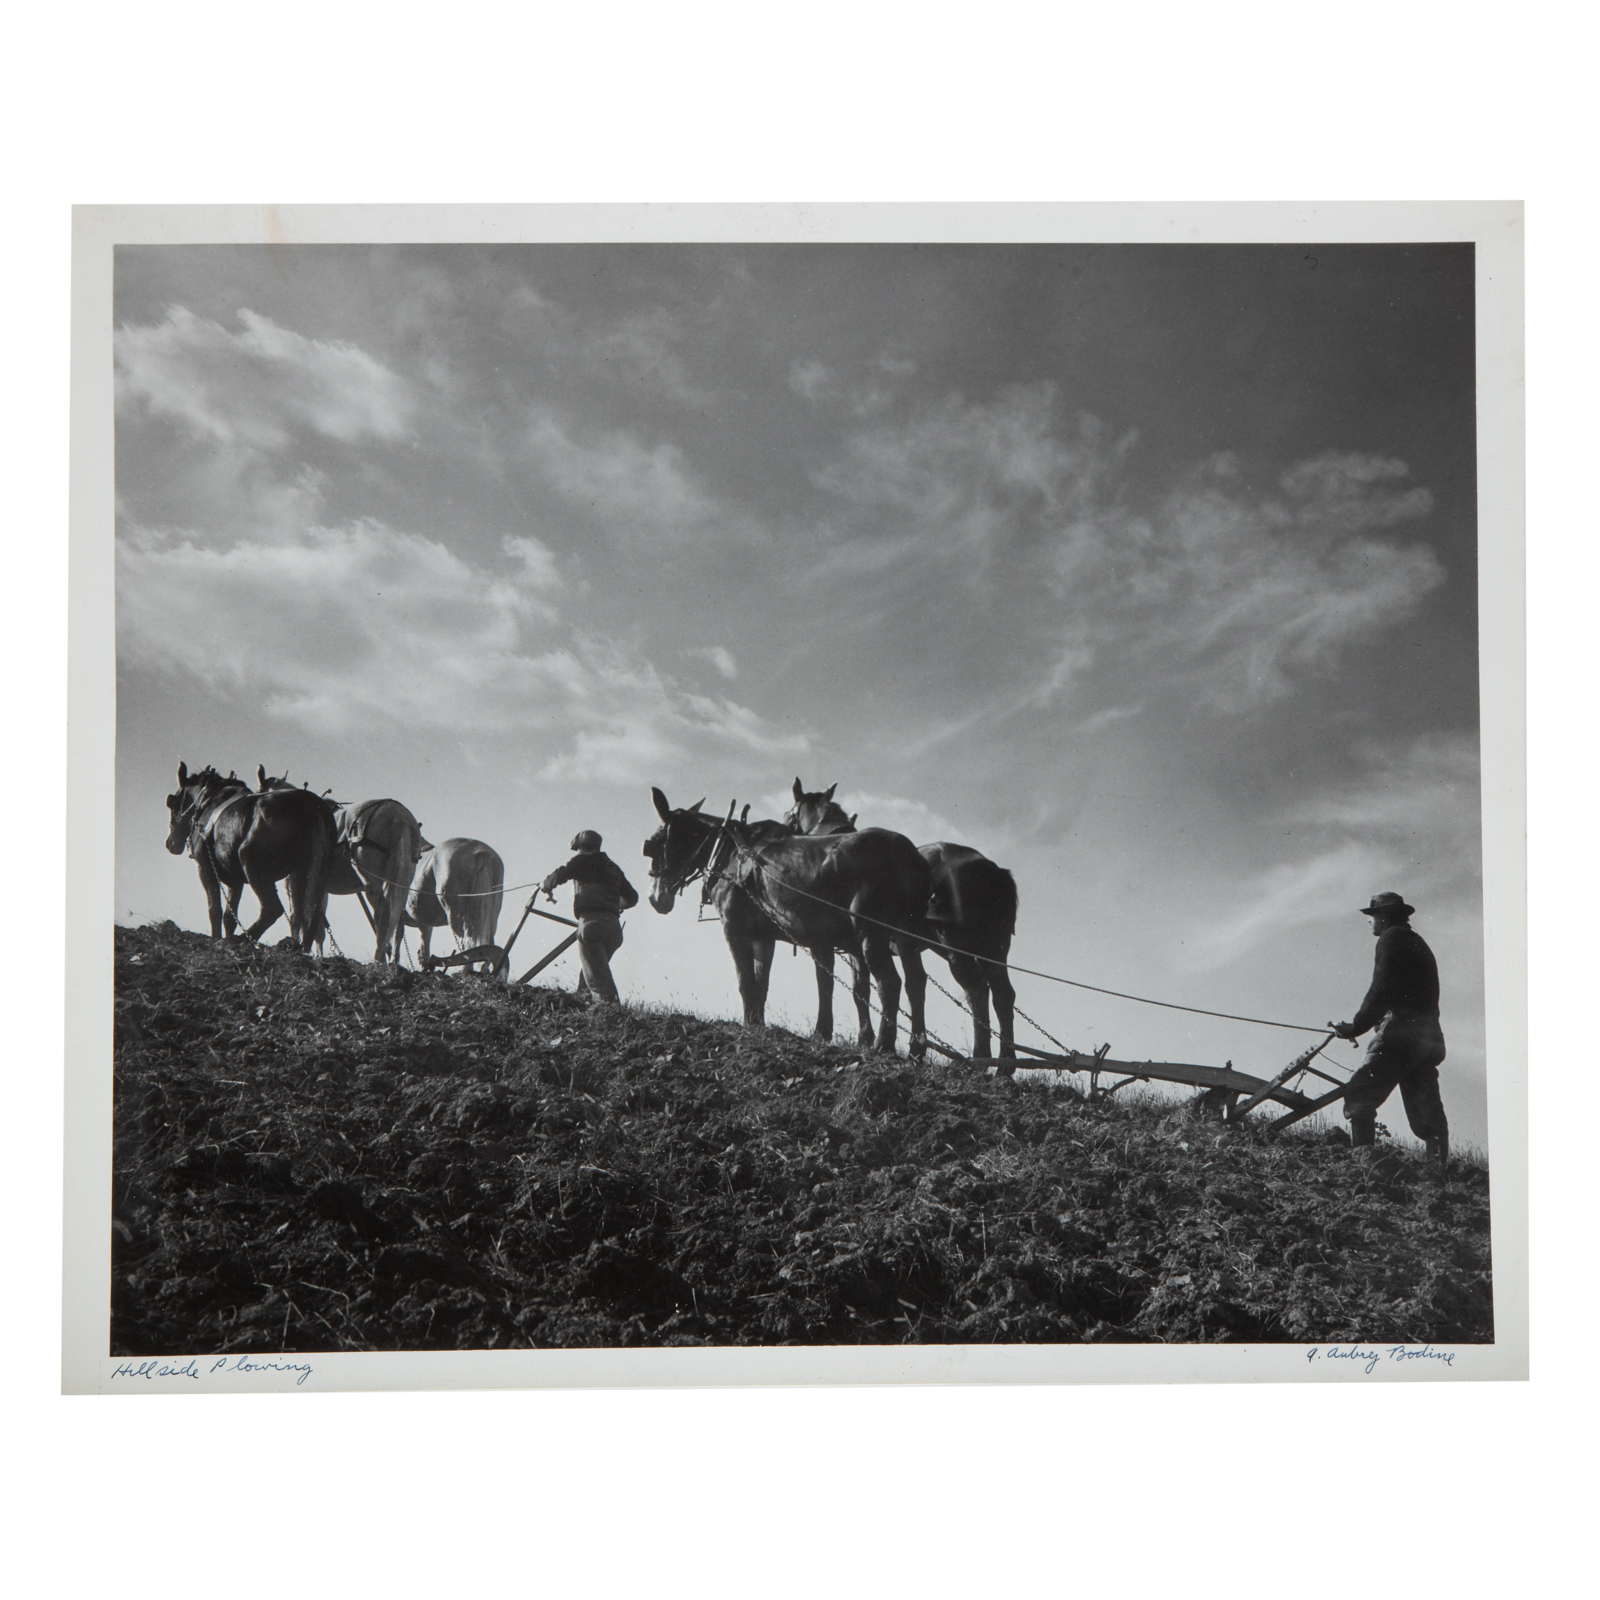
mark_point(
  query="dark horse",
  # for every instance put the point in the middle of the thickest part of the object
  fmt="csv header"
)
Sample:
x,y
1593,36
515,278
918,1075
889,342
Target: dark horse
x,y
237,837
864,894
971,916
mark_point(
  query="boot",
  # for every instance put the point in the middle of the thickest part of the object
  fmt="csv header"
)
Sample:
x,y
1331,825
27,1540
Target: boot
x,y
1363,1128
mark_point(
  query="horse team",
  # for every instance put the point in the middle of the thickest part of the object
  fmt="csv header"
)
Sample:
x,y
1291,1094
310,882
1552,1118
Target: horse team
x,y
813,880
373,850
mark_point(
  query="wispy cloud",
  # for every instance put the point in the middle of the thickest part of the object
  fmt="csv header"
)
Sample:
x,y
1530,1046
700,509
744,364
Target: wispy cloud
x,y
720,657
362,630
1409,821
644,350
811,379
637,491
258,385
1003,513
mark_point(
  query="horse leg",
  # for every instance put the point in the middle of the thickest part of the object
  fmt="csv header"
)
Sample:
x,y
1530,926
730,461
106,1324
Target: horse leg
x,y
752,991
861,993
425,939
1005,1002
880,962
266,891
761,949
230,905
970,977
383,916
208,882
916,994
823,960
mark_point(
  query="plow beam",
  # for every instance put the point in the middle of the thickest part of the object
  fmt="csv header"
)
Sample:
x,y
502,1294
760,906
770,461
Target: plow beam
x,y
1173,1072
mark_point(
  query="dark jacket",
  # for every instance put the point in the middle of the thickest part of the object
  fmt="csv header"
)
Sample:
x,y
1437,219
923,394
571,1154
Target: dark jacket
x,y
1405,979
602,890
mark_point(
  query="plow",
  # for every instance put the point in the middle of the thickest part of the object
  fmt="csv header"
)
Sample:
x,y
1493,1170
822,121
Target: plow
x,y
1235,1093
495,960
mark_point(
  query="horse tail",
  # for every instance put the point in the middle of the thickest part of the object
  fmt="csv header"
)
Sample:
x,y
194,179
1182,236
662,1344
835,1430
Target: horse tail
x,y
401,869
318,870
1005,902
487,906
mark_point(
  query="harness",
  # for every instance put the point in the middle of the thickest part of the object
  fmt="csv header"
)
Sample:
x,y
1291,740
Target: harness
x,y
760,902
204,825
357,838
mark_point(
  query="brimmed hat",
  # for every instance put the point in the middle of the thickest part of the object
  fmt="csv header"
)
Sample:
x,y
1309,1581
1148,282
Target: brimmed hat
x,y
1388,901
588,839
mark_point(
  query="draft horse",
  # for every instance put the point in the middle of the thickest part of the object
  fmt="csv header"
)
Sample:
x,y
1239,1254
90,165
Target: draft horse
x,y
460,883
864,894
972,915
378,842
237,837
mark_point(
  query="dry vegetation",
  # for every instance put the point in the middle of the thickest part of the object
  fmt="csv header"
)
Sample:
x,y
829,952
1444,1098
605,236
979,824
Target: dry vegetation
x,y
328,1156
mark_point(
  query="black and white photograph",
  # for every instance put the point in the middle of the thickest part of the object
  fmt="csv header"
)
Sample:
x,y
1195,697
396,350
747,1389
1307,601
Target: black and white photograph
x,y
923,797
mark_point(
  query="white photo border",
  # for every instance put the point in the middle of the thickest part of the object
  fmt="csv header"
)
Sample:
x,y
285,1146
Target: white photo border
x,y
1496,230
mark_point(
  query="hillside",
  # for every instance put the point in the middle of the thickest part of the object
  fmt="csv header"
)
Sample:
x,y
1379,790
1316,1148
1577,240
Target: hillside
x,y
330,1156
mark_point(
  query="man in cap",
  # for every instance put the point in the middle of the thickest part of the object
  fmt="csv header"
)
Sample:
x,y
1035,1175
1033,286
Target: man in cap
x,y
601,896
1402,1007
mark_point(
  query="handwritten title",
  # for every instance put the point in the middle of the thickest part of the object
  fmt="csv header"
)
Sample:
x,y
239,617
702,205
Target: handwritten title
x,y
194,1368
1368,1359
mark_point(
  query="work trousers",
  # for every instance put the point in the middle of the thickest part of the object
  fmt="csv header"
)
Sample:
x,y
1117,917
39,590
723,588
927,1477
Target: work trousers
x,y
1405,1052
599,938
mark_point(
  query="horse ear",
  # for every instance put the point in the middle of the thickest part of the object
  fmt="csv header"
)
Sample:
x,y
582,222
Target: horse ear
x,y
853,823
662,807
829,795
261,776
183,773
799,792
698,803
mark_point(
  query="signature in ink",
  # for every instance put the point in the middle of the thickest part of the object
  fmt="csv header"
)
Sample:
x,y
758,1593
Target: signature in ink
x,y
1369,1359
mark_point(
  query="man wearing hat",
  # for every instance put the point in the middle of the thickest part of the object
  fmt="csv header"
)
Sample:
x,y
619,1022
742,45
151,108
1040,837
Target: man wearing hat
x,y
601,896
1402,1008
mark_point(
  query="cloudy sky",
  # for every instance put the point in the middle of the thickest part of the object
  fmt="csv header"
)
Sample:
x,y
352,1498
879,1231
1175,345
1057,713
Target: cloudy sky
x,y
1150,571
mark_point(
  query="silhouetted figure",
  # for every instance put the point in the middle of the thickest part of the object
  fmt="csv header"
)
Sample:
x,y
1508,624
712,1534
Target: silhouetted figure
x,y
602,894
1402,1007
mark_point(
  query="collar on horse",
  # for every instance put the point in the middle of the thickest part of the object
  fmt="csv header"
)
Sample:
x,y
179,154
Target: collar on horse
x,y
357,838
720,875
205,822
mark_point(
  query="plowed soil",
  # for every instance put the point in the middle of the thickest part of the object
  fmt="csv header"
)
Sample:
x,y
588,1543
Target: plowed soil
x,y
324,1155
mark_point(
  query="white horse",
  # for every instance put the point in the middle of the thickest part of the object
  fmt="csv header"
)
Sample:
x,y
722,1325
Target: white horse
x,y
460,882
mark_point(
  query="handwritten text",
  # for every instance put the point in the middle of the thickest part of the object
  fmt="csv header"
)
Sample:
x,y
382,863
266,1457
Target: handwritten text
x,y
1367,1359
191,1368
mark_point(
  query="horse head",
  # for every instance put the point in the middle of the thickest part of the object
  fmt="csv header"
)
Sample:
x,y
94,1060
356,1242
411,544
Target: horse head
x,y
818,812
184,807
679,850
